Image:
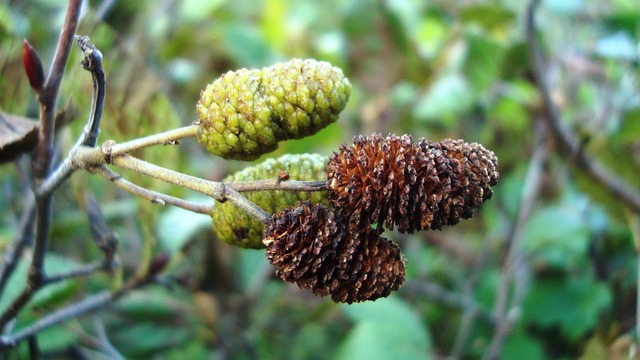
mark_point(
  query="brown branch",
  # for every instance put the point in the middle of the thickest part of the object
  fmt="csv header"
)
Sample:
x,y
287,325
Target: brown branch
x,y
43,160
570,143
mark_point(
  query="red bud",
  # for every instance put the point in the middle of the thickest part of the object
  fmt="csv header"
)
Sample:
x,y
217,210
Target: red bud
x,y
158,263
33,66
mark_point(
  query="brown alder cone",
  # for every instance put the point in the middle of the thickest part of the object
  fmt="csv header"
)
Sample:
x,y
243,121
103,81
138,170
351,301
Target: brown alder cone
x,y
314,247
409,185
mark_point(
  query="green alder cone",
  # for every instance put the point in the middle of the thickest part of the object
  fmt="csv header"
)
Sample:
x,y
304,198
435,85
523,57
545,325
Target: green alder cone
x,y
245,113
233,226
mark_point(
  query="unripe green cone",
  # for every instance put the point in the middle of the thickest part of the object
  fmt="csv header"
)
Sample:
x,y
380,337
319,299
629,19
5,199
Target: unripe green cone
x,y
235,227
245,113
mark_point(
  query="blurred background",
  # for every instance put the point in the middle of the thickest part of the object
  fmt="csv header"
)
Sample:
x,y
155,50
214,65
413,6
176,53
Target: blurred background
x,y
560,283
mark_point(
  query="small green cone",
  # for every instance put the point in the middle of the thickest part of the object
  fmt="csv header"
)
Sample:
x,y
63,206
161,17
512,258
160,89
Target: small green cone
x,y
233,226
245,113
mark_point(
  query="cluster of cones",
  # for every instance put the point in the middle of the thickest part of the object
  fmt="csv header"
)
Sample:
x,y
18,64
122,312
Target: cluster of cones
x,y
376,182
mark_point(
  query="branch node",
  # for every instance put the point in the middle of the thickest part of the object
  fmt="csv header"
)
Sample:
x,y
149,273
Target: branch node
x,y
107,149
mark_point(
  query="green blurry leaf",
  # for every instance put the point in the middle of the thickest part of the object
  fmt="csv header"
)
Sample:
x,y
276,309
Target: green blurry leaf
x,y
151,305
192,11
273,22
520,345
56,338
247,46
574,304
449,95
50,294
483,60
248,263
177,226
431,36
385,329
558,235
629,130
142,339
488,16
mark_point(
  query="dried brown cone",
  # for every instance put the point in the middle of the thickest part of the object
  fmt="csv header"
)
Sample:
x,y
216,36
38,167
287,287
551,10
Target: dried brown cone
x,y
473,172
313,247
409,185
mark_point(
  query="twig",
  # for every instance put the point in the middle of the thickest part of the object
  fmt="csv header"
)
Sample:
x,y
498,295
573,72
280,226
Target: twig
x,y
92,62
88,305
85,270
165,138
88,158
469,315
49,93
503,308
103,340
153,196
43,160
570,143
438,294
278,184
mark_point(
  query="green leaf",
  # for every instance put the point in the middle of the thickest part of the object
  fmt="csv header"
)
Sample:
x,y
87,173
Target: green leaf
x,y
247,46
141,339
50,294
192,11
629,130
177,226
487,16
520,345
385,329
574,304
450,95
558,235
483,60
151,305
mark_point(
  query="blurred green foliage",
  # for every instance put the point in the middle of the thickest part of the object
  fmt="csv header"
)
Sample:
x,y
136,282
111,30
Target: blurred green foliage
x,y
433,69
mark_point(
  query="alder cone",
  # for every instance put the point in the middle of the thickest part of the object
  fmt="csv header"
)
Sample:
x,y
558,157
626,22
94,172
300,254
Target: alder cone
x,y
315,248
473,172
246,113
409,185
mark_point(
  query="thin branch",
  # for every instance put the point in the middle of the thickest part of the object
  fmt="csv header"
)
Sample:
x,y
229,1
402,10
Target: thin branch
x,y
440,295
43,160
513,263
85,306
88,305
92,62
469,315
569,142
170,137
49,94
278,184
81,271
217,190
103,340
153,196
